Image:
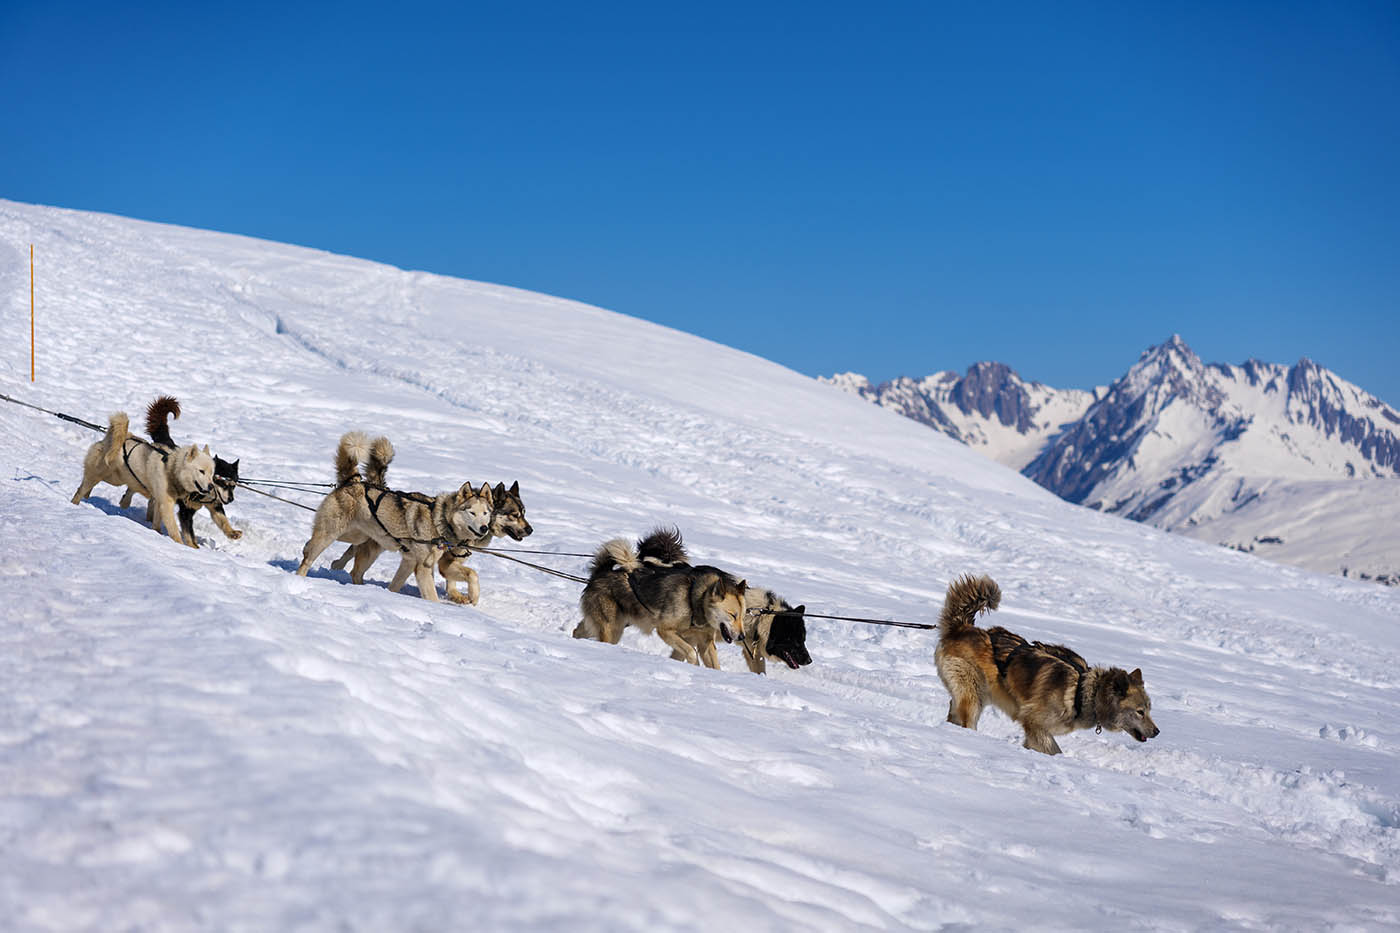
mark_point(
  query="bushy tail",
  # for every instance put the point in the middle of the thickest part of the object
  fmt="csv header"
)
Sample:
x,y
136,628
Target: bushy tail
x,y
158,415
353,448
967,596
381,454
118,430
616,553
663,545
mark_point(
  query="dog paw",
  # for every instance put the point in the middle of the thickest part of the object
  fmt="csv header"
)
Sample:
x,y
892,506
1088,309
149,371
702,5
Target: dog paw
x,y
235,535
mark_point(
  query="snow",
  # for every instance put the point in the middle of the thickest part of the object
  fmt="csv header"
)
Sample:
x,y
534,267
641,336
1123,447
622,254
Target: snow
x,y
202,739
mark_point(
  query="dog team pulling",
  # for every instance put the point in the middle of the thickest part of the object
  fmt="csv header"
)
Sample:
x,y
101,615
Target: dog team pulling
x,y
1049,690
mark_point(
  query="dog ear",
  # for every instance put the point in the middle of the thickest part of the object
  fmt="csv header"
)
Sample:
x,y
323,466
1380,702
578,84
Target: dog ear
x,y
500,489
206,448
191,452
1120,683
1136,677
741,586
801,609
515,488
486,491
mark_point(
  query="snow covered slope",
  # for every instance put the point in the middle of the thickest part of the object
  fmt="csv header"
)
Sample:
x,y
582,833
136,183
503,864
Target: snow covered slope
x,y
202,739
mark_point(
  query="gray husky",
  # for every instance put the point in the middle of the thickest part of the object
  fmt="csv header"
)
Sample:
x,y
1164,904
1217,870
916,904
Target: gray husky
x,y
420,527
678,602
507,511
1048,689
162,476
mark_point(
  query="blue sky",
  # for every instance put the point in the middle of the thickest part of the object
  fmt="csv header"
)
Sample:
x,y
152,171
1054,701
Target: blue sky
x,y
889,188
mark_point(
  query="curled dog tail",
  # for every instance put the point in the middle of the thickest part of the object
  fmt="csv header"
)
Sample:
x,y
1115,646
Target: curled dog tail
x,y
381,454
118,430
353,448
616,553
967,596
158,415
663,546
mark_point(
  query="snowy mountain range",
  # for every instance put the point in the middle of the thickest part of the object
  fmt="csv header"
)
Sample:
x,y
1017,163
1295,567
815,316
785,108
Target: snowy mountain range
x,y
1293,463
203,740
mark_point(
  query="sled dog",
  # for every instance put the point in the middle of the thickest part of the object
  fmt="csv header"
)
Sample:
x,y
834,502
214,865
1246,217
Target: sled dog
x,y
158,414
671,599
507,511
162,476
420,527
1048,689
770,626
773,628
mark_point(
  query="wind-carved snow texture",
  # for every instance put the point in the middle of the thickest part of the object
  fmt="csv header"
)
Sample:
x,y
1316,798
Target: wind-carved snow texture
x,y
202,739
1292,463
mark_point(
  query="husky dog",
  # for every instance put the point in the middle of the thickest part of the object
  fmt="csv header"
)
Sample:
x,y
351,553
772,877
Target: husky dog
x,y
1048,689
158,414
770,627
670,599
507,520
507,517
122,459
419,526
773,628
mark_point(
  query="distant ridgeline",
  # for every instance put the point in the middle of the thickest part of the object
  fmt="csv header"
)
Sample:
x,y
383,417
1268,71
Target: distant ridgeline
x,y
1292,463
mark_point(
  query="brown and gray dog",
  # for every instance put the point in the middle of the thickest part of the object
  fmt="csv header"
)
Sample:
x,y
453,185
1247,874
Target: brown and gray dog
x,y
1048,689
683,605
771,627
420,527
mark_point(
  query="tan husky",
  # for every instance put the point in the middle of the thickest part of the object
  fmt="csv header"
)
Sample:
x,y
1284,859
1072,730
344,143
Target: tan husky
x,y
420,527
1048,689
162,476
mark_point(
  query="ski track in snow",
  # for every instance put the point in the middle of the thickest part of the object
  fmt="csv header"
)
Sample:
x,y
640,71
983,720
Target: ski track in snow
x,y
203,739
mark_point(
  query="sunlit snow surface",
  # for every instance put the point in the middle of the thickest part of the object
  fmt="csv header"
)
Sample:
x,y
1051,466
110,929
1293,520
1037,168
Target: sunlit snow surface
x,y
202,739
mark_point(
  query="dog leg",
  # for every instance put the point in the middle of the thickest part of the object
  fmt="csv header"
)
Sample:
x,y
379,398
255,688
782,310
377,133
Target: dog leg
x,y
321,538
170,522
1038,741
427,583
366,553
186,516
681,645
453,571
710,656
340,562
90,479
401,575
126,498
216,512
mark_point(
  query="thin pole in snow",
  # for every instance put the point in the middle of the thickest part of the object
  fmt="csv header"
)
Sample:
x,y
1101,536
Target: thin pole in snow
x,y
31,312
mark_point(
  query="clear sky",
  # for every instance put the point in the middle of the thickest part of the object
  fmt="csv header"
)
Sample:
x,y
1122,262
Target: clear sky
x,y
881,187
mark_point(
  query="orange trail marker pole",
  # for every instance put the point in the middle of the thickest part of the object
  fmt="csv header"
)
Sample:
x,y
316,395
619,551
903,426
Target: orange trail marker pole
x,y
31,312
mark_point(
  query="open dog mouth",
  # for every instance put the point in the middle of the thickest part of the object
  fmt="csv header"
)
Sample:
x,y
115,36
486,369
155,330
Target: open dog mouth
x,y
789,657
1137,734
726,634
